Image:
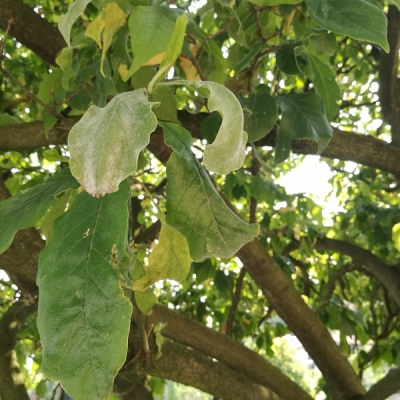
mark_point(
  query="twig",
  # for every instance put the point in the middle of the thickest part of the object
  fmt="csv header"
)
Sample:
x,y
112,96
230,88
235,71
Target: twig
x,y
213,35
235,302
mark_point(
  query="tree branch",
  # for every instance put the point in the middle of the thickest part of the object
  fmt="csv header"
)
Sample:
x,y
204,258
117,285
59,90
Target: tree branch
x,y
31,30
387,386
192,368
302,321
388,276
226,350
11,381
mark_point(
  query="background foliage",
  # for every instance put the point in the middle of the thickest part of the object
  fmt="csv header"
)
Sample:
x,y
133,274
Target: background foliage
x,y
143,146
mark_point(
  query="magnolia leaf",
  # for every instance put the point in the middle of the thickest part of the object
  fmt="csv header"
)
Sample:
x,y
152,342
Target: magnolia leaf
x,y
26,208
324,82
260,114
106,142
194,206
84,316
304,117
104,26
359,19
173,50
151,29
170,259
75,9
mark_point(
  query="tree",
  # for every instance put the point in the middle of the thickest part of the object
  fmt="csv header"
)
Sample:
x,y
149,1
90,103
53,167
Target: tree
x,y
141,144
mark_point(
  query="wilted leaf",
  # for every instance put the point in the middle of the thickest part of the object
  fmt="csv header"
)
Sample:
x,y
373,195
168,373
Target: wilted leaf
x,y
228,151
359,19
75,9
304,117
170,259
26,208
104,27
194,206
105,144
84,317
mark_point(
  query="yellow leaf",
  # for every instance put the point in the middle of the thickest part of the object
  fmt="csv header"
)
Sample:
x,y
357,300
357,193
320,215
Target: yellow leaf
x,y
106,23
189,69
156,59
396,236
123,71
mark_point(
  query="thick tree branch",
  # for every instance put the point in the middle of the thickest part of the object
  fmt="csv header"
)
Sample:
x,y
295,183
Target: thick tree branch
x,y
31,30
302,321
11,380
226,350
384,388
192,368
389,85
388,276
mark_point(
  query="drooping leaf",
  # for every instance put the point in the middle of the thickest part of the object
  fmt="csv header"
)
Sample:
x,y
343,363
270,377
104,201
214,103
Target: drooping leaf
x,y
84,317
228,150
174,49
145,300
283,146
359,19
324,81
260,114
105,144
75,9
194,206
25,209
151,29
170,259
304,117
103,28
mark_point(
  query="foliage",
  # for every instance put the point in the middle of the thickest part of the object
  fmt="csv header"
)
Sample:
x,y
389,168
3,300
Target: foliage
x,y
181,119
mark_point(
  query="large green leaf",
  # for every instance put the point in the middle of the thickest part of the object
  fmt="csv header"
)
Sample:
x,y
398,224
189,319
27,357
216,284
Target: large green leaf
x,y
25,209
105,144
151,29
170,259
359,19
75,9
286,58
228,150
84,316
304,117
260,114
194,206
324,81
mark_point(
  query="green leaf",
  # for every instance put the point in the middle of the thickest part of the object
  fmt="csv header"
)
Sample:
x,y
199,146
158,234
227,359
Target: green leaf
x,y
358,19
103,28
41,389
228,151
286,58
283,147
145,300
324,82
26,208
304,117
173,50
167,110
275,2
53,155
260,114
395,2
170,259
194,206
151,29
7,119
75,9
84,317
105,144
